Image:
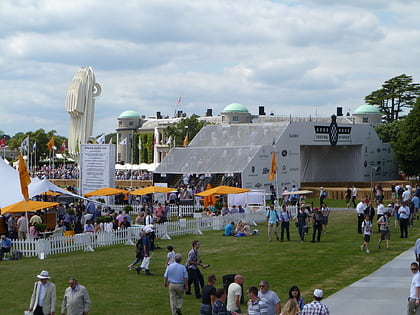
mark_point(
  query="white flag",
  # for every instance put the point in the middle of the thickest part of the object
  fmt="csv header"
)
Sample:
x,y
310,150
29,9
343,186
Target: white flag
x,y
139,142
124,141
101,139
25,144
169,140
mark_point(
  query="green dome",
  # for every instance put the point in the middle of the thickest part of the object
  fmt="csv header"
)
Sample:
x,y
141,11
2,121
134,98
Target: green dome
x,y
367,109
129,114
235,108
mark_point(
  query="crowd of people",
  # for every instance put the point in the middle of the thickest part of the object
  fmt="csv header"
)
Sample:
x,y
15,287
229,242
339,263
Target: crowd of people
x,y
227,300
71,171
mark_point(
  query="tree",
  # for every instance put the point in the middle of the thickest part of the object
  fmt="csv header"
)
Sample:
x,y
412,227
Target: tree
x,y
396,94
190,126
406,146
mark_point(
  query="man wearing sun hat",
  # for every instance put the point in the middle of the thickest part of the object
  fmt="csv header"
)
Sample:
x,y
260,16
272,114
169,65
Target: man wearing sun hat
x,y
43,296
316,307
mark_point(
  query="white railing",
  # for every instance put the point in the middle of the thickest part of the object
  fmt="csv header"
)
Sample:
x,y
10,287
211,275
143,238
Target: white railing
x,y
88,241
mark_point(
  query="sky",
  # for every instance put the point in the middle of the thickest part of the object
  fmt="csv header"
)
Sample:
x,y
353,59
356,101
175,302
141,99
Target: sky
x,y
294,57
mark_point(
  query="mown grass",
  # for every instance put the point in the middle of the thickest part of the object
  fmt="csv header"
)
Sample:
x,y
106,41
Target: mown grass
x,y
332,264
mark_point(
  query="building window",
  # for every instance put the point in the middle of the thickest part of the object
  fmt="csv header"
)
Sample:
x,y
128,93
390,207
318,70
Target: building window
x,y
120,123
131,123
235,118
365,120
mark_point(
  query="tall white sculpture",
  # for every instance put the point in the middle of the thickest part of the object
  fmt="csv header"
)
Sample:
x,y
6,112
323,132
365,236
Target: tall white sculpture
x,y
80,104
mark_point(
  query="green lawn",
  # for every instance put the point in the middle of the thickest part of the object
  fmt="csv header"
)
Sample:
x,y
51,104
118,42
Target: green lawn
x,y
332,264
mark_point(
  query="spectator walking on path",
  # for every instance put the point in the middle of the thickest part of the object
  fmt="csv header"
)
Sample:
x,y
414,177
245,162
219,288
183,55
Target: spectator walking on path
x,y
76,300
413,306
44,296
316,307
176,279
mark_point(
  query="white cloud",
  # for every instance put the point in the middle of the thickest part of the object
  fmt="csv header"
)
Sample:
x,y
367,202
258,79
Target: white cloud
x,y
298,57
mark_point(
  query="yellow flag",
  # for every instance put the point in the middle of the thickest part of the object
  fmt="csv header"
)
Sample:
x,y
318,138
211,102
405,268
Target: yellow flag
x,y
24,177
186,140
50,144
273,168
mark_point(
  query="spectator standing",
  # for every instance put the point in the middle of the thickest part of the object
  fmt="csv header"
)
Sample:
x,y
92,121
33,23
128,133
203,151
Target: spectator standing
x,y
270,298
380,211
354,194
367,231
285,223
417,250
234,294
219,307
256,306
302,221
208,297
360,210
176,279
316,307
272,222
294,293
194,274
384,226
291,307
316,225
11,227
76,300
414,298
347,196
145,243
325,216
22,227
170,256
322,195
44,296
404,215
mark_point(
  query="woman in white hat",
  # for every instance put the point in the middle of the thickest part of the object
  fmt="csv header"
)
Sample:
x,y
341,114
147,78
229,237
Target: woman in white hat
x,y
43,296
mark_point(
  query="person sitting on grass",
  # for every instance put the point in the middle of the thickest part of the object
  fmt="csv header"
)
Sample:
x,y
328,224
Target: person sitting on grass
x,y
367,232
229,229
243,230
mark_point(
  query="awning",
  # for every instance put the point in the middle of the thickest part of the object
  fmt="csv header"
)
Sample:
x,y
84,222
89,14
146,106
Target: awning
x,y
151,190
106,191
222,190
30,206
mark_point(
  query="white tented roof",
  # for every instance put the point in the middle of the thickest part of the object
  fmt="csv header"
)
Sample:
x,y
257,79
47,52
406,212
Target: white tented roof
x,y
221,148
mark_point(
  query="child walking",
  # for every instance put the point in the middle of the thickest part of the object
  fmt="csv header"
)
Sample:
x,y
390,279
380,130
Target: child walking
x,y
367,232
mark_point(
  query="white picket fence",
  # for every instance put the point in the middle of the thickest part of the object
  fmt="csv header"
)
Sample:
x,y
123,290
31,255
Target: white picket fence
x,y
89,241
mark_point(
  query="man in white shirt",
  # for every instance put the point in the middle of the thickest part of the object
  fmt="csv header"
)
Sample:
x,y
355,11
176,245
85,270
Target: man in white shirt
x,y
414,299
360,210
234,294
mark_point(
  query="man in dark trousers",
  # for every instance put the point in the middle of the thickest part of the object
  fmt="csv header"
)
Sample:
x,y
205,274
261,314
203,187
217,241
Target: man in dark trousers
x,y
194,274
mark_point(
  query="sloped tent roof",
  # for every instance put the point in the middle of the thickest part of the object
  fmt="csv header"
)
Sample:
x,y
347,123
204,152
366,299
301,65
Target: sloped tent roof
x,y
30,206
221,148
10,192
